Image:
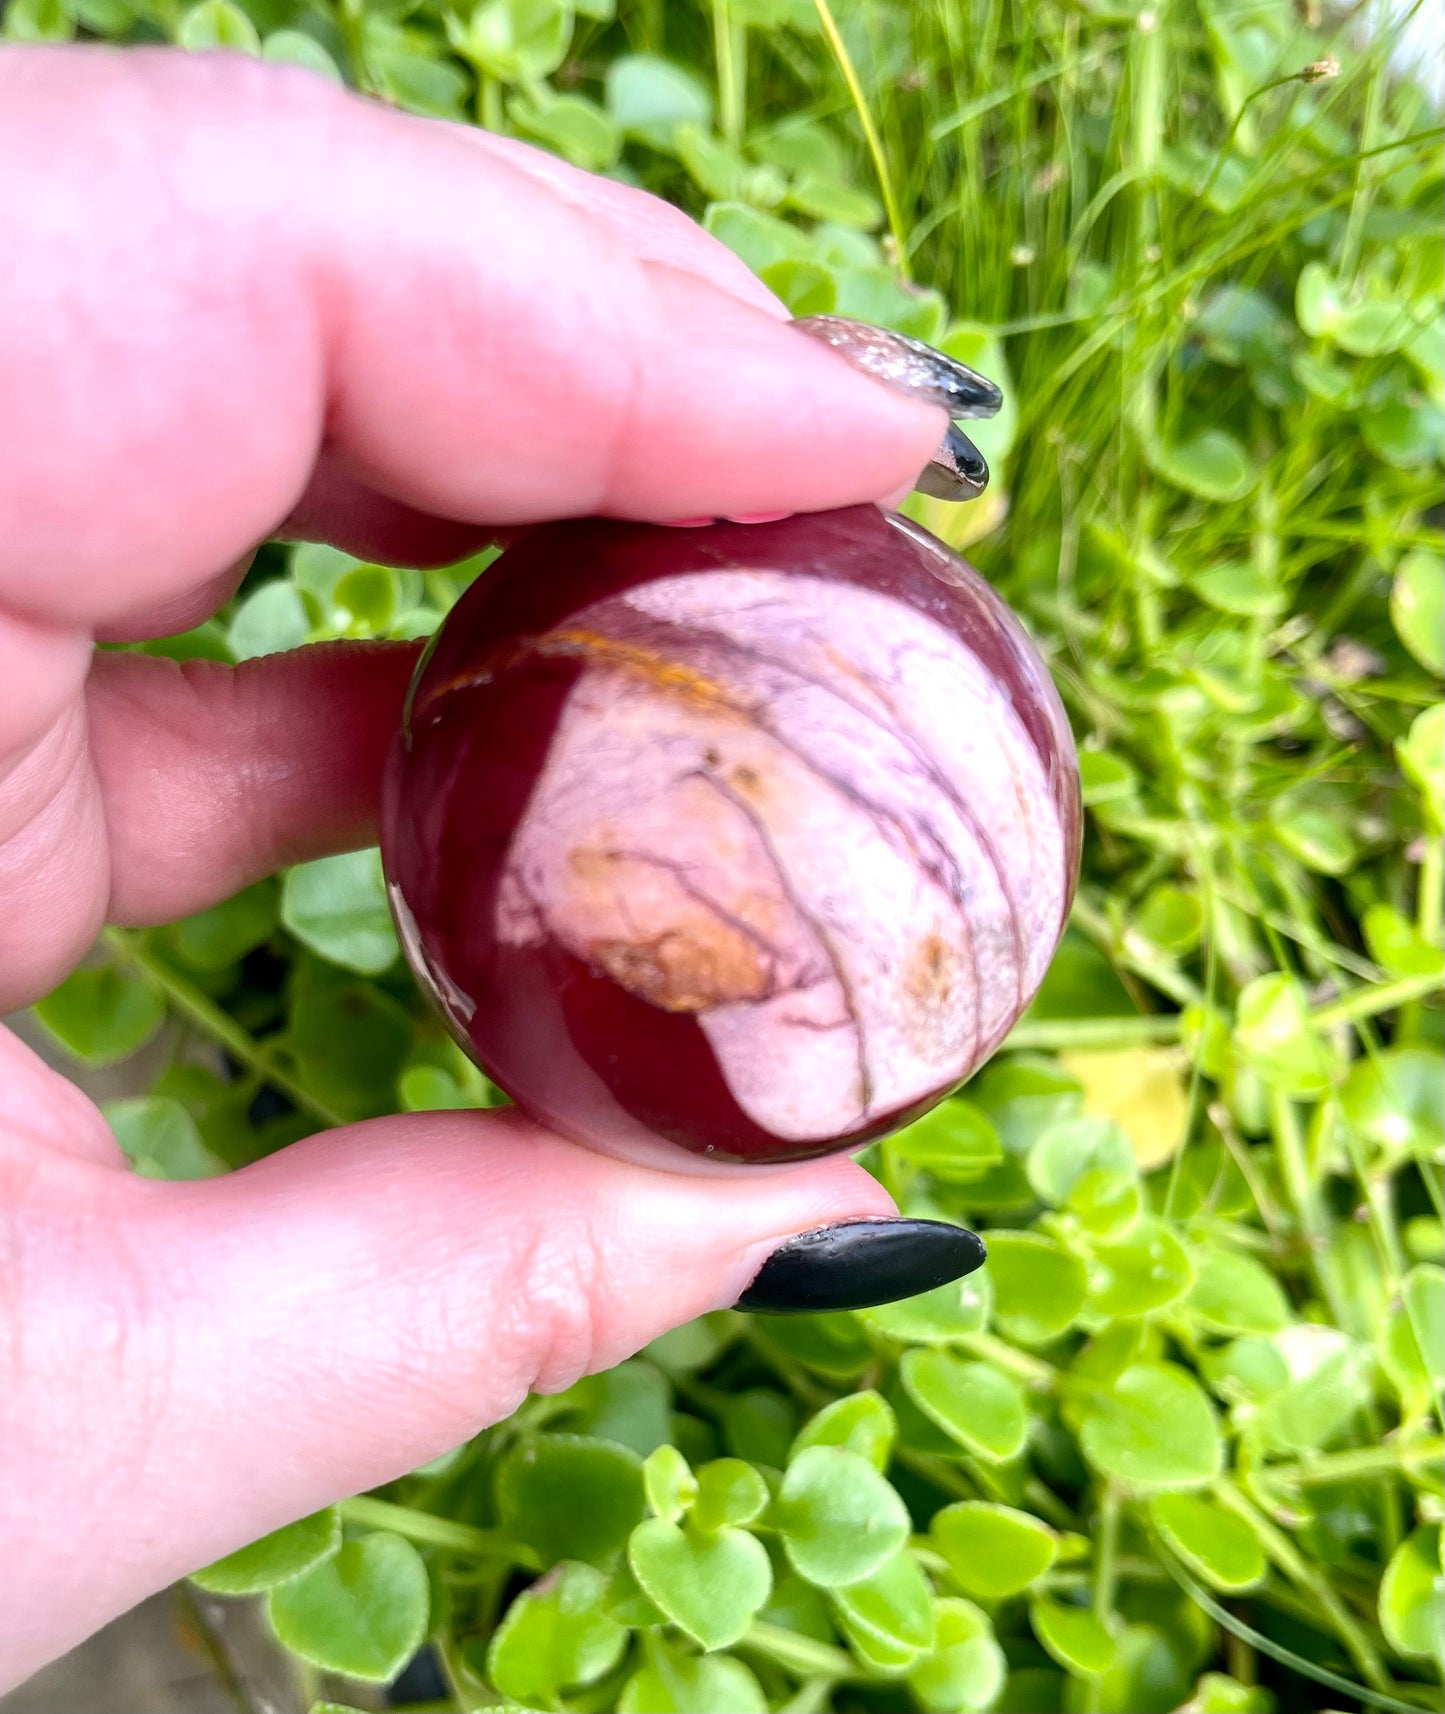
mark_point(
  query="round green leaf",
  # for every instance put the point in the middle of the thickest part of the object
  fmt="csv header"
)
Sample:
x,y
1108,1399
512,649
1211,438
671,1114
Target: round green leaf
x,y
934,1317
217,24
1241,588
1421,753
1373,327
1217,1544
834,1344
1153,1428
160,1139
515,40
295,47
1212,465
838,1517
1170,918
1318,303
1417,607
966,1669
759,1425
729,1492
283,1554
555,1634
101,1016
978,1405
362,1612
36,21
807,288
571,1497
1397,945
1039,1287
1329,1380
1413,1346
888,1615
268,621
337,906
710,1586
1273,1034
1074,1636
1145,1273
993,1551
955,1141
1396,1101
571,126
1316,837
1412,1596
649,98
1233,1293
689,1683
212,939
668,1482
861,1422
1068,1150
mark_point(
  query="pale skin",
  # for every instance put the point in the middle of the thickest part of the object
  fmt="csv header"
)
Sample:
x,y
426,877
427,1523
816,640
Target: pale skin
x,y
236,303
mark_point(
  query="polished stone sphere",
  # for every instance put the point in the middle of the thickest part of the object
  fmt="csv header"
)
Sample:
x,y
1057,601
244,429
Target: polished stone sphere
x,y
751,840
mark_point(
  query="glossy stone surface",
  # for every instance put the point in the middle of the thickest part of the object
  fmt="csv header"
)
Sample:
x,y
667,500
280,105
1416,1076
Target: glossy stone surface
x,y
752,840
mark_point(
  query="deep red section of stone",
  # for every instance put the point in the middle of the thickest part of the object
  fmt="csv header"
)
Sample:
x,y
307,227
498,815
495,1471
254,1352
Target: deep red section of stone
x,y
578,1051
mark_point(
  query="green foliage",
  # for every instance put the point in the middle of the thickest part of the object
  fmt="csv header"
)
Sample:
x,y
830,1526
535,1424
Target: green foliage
x,y
276,1558
1187,1418
361,1612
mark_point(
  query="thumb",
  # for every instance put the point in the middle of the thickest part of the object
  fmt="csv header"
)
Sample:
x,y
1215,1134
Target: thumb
x,y
337,1314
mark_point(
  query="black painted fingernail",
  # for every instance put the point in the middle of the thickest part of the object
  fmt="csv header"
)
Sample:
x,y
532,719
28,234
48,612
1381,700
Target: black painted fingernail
x,y
907,365
957,471
862,1263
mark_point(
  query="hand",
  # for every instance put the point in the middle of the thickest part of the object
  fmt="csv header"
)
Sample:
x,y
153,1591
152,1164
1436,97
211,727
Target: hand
x,y
236,302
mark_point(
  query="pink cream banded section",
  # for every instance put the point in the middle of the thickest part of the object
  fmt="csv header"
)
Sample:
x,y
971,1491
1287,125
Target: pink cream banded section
x,y
805,814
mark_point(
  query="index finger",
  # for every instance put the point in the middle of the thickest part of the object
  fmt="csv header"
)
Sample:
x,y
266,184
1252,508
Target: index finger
x,y
221,267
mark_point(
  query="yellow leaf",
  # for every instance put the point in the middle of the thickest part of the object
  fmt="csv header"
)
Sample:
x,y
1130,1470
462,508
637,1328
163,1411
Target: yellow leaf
x,y
1142,1089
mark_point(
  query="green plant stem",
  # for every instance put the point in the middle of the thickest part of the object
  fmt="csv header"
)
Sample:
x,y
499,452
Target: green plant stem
x,y
1364,1003
811,1697
1312,1583
1106,1557
730,54
1392,1457
1286,1657
350,18
128,949
490,113
1054,1035
1034,1371
802,1655
840,53
1305,1195
428,1530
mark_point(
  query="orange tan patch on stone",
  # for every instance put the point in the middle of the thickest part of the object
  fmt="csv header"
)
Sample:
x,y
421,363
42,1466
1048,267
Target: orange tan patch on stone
x,y
667,675
931,978
689,969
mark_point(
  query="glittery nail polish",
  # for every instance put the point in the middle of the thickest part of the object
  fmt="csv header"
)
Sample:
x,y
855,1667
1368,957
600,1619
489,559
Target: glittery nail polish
x,y
906,365
957,471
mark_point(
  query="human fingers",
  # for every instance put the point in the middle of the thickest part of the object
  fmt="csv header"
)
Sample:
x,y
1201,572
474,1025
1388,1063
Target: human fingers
x,y
437,1267
272,267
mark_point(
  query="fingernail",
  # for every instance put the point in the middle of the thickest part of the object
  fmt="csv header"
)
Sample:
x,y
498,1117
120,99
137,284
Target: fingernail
x,y
684,523
756,517
907,365
861,1263
957,471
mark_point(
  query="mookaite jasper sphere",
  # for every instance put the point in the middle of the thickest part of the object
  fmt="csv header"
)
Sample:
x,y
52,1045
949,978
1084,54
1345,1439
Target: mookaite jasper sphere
x,y
749,840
